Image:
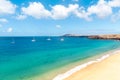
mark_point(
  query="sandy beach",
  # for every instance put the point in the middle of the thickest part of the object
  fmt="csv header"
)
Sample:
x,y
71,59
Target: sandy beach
x,y
107,69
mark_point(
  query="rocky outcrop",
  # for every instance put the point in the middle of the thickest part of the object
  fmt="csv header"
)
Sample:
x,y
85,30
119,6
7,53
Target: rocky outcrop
x,y
110,36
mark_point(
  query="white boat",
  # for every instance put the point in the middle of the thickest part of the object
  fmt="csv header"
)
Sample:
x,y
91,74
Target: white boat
x,y
62,39
33,40
49,39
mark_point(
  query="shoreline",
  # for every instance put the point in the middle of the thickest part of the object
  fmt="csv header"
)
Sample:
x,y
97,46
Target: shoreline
x,y
78,68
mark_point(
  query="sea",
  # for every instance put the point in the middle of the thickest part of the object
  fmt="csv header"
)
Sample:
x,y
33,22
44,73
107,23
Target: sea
x,y
45,57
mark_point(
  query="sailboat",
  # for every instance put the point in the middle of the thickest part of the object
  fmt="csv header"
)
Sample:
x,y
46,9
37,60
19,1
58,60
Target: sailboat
x,y
62,39
33,40
49,39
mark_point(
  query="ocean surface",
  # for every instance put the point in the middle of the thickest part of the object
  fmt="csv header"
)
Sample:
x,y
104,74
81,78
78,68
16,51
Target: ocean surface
x,y
43,58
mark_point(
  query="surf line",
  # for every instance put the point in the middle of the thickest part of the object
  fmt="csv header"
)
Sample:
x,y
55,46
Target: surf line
x,y
78,68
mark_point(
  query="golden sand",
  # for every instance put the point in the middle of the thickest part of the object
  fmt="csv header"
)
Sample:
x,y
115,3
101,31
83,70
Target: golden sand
x,y
108,69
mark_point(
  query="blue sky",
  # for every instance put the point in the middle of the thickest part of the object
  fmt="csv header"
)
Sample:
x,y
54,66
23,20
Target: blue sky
x,y
58,17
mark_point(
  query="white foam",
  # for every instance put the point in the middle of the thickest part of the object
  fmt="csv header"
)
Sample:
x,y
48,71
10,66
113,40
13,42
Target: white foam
x,y
77,68
117,51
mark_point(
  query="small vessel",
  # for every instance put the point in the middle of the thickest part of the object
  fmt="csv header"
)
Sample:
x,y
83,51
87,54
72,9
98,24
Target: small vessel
x,y
33,40
62,39
49,39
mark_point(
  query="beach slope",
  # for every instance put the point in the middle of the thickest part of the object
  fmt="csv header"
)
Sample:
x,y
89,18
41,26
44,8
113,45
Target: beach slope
x,y
108,69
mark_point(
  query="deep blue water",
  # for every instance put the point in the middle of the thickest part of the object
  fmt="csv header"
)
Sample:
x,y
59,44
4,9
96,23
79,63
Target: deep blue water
x,y
24,58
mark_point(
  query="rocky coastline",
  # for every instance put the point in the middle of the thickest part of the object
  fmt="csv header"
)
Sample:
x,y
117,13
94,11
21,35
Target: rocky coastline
x,y
107,36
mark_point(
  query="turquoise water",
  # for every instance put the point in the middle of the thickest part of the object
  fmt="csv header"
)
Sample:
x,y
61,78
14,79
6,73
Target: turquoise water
x,y
26,59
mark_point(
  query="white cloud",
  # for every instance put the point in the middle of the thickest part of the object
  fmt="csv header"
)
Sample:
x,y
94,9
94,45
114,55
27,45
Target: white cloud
x,y
101,9
58,26
37,10
3,20
6,7
115,16
81,13
114,3
61,12
21,17
9,29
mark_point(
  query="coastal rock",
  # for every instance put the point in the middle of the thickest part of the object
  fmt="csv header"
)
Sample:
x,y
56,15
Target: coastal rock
x,y
107,36
110,36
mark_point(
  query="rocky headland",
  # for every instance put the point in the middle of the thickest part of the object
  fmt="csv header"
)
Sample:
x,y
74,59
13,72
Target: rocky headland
x,y
107,36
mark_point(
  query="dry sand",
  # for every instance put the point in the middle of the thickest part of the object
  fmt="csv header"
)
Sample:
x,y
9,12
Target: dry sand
x,y
108,69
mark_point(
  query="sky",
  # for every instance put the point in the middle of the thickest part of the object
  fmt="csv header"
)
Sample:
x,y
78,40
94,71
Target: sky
x,y
58,17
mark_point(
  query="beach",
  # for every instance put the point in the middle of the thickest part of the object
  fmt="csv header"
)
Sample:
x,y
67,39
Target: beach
x,y
107,69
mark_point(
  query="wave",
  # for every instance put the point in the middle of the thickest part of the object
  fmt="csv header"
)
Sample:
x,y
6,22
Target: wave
x,y
78,68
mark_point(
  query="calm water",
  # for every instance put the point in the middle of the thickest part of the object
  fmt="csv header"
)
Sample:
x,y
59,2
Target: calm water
x,y
25,59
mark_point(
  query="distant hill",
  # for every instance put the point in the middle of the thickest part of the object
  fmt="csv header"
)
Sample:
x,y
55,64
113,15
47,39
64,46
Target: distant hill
x,y
110,36
73,35
107,36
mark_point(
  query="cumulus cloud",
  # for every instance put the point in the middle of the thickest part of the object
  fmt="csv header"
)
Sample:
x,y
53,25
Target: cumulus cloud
x,y
3,20
114,3
6,7
61,12
81,13
115,16
9,29
37,10
101,9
